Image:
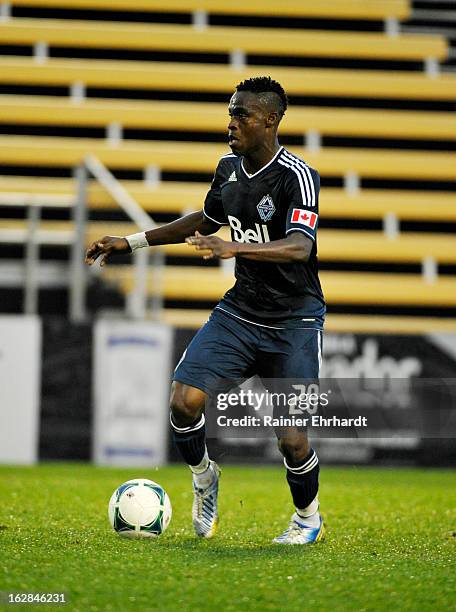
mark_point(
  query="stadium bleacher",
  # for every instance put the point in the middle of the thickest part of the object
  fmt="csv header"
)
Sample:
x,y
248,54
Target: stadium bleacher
x,y
200,157
217,39
200,77
200,116
334,9
370,109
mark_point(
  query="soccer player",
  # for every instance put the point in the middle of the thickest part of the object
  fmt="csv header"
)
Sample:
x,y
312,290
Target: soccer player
x,y
270,323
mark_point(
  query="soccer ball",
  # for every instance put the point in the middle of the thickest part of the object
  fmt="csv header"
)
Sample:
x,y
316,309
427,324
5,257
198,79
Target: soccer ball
x,y
139,508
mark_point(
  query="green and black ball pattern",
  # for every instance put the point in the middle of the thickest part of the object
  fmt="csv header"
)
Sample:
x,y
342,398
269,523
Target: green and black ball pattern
x,y
155,527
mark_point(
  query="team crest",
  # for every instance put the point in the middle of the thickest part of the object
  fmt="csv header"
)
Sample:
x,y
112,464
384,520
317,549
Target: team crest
x,y
266,208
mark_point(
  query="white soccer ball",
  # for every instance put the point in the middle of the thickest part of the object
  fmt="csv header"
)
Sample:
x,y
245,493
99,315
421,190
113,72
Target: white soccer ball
x,y
139,508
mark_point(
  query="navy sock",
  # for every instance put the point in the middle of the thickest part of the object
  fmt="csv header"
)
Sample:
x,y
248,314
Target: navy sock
x,y
303,480
191,440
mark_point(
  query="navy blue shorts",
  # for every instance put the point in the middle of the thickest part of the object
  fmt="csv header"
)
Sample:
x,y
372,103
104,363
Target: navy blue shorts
x,y
229,349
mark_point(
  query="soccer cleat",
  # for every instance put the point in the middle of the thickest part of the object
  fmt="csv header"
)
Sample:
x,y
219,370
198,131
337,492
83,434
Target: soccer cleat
x,y
299,532
204,511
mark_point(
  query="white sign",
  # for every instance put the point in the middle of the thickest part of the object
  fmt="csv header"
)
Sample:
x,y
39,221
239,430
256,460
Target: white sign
x,y
132,364
20,372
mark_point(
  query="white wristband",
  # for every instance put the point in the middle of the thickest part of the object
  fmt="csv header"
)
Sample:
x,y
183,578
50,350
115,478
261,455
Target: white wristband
x,y
137,241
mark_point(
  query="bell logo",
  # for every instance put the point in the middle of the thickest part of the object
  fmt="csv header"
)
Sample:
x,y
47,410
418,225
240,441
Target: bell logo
x,y
259,234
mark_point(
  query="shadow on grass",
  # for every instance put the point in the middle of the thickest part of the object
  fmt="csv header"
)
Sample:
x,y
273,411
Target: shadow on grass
x,y
226,549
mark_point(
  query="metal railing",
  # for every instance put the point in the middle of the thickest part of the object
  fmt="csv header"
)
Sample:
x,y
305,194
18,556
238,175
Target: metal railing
x,y
32,237
30,274
136,306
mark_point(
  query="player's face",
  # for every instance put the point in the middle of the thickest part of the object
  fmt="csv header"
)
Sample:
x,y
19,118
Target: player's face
x,y
248,123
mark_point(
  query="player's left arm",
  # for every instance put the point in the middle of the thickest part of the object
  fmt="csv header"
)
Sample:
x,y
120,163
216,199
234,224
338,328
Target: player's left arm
x,y
295,247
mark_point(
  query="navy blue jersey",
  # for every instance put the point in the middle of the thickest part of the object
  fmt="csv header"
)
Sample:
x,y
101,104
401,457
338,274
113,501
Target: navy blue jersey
x,y
279,199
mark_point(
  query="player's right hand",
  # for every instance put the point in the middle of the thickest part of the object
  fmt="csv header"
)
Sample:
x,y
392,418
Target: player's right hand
x,y
105,247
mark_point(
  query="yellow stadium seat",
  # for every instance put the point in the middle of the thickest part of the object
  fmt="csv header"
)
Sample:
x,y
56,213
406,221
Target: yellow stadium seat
x,y
374,324
334,9
333,245
181,197
202,157
167,76
376,203
198,116
220,39
362,288
408,247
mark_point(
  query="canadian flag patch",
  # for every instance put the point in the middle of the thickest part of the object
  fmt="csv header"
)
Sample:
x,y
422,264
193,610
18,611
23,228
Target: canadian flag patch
x,y
304,217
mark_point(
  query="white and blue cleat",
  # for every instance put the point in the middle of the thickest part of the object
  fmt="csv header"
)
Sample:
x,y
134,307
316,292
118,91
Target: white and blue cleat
x,y
300,532
205,511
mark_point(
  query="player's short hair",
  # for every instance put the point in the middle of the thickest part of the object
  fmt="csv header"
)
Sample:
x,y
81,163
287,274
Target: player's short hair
x,y
266,85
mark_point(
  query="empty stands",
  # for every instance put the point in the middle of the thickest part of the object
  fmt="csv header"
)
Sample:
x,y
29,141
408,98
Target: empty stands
x,y
369,109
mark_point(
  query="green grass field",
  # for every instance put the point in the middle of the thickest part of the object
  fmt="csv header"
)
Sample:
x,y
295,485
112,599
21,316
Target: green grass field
x,y
391,542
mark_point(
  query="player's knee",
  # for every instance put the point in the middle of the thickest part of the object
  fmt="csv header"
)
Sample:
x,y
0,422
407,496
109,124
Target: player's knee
x,y
294,448
186,404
